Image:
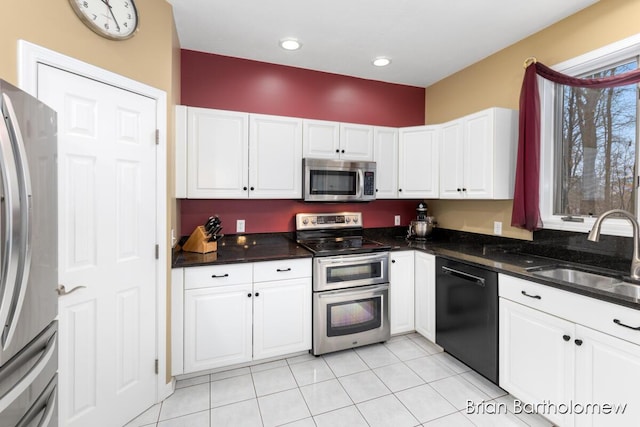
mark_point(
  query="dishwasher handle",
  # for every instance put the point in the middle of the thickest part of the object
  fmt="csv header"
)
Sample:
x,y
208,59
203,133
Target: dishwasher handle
x,y
466,276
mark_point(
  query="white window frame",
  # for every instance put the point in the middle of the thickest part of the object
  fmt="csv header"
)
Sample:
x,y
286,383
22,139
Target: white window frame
x,y
598,58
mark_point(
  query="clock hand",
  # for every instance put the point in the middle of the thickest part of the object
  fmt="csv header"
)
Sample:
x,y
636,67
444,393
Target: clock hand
x,y
112,15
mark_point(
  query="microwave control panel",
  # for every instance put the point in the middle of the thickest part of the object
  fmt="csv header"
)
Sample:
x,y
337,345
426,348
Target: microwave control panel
x,y
369,184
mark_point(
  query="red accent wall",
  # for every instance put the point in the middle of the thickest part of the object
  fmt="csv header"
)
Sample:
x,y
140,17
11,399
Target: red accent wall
x,y
226,83
222,82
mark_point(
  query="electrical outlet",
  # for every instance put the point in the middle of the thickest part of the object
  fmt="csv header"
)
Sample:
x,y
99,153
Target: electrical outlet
x,y
240,226
497,228
396,220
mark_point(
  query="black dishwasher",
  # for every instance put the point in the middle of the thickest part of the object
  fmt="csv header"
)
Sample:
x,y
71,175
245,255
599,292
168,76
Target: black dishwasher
x,y
467,315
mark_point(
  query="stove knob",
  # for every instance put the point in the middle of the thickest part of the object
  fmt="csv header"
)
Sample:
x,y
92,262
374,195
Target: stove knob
x,y
348,220
313,221
355,219
305,221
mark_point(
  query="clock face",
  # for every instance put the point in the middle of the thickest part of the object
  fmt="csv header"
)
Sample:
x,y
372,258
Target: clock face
x,y
113,19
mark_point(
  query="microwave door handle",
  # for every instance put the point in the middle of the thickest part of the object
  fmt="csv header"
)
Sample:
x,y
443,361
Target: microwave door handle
x,y
360,183
10,228
25,227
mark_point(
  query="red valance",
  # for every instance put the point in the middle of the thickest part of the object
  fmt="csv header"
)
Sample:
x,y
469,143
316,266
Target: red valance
x,y
526,198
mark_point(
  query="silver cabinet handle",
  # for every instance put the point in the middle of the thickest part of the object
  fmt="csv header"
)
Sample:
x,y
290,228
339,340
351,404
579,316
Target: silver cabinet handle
x,y
63,291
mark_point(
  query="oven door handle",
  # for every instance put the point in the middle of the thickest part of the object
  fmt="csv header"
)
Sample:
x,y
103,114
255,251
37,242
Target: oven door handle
x,y
466,276
353,291
353,259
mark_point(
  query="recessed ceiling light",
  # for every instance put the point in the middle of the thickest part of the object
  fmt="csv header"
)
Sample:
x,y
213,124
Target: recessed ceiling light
x,y
381,61
290,44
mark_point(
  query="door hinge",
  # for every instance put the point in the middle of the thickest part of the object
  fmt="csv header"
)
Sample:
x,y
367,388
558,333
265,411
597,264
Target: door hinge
x,y
157,367
157,251
157,136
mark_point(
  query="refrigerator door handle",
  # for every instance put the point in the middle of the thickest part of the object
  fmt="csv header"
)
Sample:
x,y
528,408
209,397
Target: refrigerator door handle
x,y
10,226
23,384
25,212
46,403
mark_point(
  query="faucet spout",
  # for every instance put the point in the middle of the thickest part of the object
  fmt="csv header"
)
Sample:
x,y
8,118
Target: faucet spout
x,y
594,236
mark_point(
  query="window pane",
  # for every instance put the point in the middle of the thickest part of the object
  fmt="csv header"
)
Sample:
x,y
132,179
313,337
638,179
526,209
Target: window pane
x,y
597,155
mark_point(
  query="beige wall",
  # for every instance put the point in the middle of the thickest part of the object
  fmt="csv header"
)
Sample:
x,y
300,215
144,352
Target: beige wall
x,y
152,56
496,81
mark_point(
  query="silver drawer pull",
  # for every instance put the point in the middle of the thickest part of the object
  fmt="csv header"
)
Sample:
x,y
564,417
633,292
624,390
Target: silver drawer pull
x,y
220,276
282,270
617,322
531,296
61,290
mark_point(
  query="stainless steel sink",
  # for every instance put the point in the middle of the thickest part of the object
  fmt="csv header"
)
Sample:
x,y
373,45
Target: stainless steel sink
x,y
576,276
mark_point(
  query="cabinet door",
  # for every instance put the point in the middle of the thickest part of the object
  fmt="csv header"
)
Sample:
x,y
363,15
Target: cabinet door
x,y
275,149
385,154
180,145
356,142
217,153
401,292
536,354
281,317
425,295
607,372
477,157
217,327
320,139
451,161
419,164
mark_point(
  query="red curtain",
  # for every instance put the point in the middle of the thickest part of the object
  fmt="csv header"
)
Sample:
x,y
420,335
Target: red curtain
x,y
526,198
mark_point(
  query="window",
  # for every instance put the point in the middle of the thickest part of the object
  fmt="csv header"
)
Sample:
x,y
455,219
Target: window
x,y
589,143
596,146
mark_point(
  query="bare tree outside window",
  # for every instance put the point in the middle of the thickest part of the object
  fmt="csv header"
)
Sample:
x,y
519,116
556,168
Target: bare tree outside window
x,y
596,160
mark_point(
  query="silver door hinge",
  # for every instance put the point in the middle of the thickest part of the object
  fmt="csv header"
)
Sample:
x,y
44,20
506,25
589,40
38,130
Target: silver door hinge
x,y
157,136
157,251
157,368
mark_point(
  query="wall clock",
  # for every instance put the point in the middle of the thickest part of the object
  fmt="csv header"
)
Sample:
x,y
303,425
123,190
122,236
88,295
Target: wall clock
x,y
113,19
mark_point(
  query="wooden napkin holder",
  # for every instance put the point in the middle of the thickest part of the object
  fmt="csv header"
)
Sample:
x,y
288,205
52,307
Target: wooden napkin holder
x,y
199,242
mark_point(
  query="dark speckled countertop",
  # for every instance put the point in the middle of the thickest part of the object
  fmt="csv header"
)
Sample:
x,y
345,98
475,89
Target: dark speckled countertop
x,y
502,255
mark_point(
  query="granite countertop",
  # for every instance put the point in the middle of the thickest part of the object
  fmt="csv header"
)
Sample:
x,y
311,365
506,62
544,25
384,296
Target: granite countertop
x,y
244,248
501,255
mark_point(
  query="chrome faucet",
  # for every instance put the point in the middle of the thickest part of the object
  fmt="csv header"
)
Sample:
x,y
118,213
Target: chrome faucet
x,y
594,236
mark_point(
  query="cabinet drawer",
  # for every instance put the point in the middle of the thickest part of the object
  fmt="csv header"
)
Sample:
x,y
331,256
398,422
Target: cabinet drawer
x,y
281,270
217,275
599,315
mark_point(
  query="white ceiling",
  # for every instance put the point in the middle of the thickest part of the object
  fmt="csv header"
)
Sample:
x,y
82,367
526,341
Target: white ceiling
x,y
426,40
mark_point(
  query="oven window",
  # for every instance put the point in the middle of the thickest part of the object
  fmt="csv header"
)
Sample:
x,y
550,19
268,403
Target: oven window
x,y
349,273
351,317
342,183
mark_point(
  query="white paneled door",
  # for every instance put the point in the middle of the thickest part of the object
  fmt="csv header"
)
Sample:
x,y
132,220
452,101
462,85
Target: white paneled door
x,y
107,223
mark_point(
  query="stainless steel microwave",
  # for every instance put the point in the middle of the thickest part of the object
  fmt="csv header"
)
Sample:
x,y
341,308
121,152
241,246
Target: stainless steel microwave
x,y
325,180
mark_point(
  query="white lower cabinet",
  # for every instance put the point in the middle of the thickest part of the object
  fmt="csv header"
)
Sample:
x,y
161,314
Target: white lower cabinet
x,y
425,295
561,348
227,323
281,317
217,326
401,292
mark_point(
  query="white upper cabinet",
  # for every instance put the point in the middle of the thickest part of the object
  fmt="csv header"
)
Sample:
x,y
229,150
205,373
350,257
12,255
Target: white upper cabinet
x,y
275,157
418,164
233,155
385,154
478,154
321,139
217,153
356,142
333,140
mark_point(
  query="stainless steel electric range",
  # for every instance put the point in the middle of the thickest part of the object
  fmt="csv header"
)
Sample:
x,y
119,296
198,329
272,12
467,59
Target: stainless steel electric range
x,y
350,281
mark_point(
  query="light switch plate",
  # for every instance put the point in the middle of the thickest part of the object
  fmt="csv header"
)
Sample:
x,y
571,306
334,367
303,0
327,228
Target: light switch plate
x,y
497,228
240,226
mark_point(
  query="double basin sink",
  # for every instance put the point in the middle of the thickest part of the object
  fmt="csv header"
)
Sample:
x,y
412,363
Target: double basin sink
x,y
583,277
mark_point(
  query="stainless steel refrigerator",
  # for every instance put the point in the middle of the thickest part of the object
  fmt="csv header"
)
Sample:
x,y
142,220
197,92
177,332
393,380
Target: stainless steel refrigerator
x,y
28,261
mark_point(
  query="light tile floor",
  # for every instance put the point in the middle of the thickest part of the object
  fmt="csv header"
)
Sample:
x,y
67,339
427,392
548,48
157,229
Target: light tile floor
x,y
407,381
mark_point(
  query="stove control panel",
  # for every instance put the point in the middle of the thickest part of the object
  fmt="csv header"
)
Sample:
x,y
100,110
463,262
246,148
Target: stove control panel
x,y
316,221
